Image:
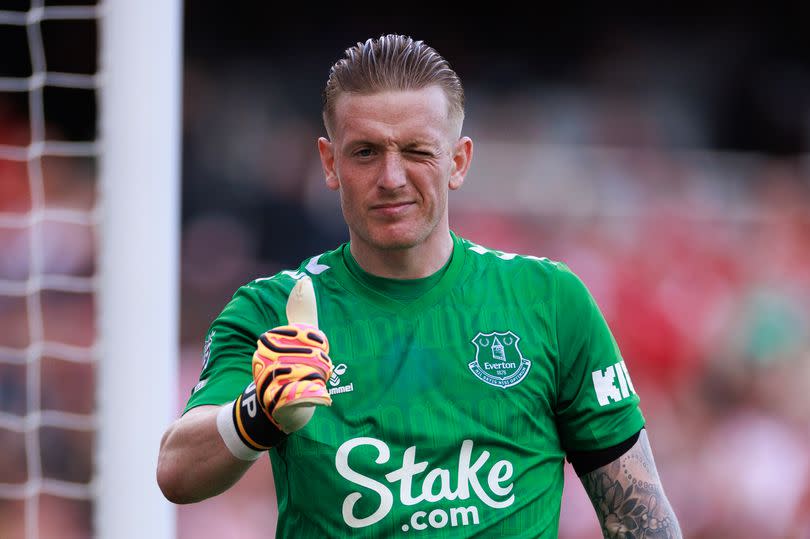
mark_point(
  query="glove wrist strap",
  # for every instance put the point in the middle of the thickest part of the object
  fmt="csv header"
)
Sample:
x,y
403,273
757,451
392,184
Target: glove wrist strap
x,y
245,428
227,429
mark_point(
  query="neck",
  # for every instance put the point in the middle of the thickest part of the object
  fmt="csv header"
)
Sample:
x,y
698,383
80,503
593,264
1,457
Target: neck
x,y
415,262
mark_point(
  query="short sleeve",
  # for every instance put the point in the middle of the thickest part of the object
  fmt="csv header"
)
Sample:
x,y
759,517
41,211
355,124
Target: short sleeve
x,y
228,348
596,405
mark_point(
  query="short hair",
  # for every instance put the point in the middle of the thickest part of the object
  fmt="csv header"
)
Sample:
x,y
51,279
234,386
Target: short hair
x,y
391,62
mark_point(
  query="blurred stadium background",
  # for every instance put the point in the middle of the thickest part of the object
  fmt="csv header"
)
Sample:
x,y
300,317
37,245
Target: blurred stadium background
x,y
665,159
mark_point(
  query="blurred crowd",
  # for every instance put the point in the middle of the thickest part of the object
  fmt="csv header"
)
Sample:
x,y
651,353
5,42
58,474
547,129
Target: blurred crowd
x,y
698,258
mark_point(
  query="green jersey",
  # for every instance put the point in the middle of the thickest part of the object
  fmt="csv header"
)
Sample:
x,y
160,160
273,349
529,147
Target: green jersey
x,y
455,397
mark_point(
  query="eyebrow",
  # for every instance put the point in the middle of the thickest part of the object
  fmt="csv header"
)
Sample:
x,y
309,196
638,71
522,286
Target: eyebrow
x,y
406,146
420,144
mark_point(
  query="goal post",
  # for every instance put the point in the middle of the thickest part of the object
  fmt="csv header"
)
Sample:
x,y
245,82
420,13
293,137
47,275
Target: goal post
x,y
138,297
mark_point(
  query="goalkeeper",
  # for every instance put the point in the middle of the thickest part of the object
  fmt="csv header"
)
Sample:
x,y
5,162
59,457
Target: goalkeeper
x,y
410,380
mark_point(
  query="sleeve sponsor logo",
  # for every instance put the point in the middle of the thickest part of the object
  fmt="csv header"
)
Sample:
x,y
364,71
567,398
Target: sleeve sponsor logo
x,y
199,386
206,355
604,383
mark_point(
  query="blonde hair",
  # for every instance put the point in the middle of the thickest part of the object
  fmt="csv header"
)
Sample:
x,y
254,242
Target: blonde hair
x,y
391,62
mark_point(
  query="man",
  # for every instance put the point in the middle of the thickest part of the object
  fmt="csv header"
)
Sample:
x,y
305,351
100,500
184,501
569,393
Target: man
x,y
464,376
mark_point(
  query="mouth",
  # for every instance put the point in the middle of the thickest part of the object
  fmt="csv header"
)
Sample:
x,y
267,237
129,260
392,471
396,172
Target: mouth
x,y
391,208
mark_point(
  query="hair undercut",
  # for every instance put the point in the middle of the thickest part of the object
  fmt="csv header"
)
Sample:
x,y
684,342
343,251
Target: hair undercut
x,y
389,63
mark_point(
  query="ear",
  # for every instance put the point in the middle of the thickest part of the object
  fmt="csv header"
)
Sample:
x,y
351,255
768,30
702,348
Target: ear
x,y
462,157
326,149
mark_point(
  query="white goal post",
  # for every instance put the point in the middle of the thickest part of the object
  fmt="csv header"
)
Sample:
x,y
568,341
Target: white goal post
x,y
140,63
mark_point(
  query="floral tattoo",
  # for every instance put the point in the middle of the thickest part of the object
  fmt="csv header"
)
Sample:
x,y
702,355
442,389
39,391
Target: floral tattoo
x,y
629,499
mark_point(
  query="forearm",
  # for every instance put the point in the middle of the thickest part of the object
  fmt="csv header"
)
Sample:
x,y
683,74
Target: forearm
x,y
629,498
194,463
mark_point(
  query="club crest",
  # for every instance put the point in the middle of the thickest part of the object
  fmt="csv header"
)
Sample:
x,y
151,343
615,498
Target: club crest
x,y
498,361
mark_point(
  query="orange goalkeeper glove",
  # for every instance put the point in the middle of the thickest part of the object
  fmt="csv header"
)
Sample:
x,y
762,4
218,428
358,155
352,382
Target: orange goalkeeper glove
x,y
290,367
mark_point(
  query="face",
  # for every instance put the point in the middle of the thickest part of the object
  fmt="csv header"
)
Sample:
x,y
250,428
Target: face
x,y
393,157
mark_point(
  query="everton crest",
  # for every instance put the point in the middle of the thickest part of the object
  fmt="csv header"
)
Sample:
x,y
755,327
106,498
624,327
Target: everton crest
x,y
498,360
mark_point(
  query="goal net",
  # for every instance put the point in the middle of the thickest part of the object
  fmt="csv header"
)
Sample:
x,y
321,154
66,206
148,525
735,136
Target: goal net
x,y
89,112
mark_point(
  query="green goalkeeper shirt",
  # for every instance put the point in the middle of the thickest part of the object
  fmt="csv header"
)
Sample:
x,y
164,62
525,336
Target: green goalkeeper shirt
x,y
455,397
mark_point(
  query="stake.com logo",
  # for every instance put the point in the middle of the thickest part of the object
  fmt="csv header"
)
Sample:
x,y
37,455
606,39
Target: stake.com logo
x,y
435,486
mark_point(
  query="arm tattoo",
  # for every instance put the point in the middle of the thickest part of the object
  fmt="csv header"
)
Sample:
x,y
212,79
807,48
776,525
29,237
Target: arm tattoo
x,y
629,499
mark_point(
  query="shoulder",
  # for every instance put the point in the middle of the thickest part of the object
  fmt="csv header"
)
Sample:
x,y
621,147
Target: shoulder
x,y
533,275
279,285
496,260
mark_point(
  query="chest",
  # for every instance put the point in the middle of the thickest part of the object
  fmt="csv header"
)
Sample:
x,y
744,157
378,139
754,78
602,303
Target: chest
x,y
438,378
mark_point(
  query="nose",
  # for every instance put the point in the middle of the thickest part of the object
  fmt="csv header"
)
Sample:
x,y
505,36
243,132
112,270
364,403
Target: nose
x,y
392,174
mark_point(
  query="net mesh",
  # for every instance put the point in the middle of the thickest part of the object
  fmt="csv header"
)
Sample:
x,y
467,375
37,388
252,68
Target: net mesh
x,y
48,220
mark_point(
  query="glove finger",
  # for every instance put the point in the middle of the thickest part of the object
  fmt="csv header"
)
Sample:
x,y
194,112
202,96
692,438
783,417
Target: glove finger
x,y
284,376
308,389
305,334
278,345
298,334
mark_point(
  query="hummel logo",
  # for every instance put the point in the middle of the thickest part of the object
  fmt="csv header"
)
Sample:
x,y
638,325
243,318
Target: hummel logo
x,y
334,380
336,372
